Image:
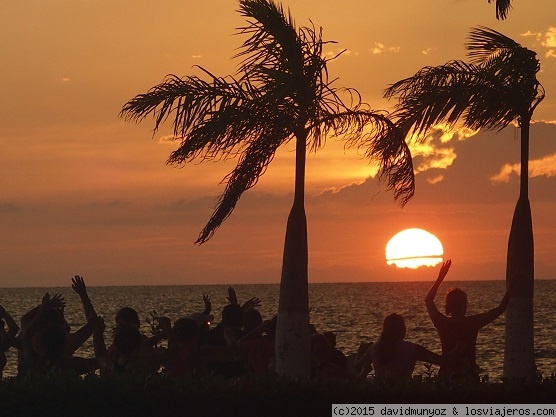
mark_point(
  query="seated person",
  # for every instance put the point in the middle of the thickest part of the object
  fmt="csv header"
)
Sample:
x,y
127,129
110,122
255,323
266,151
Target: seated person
x,y
392,357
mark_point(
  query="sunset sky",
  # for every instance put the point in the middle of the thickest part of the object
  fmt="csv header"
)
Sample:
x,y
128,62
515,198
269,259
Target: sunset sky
x,y
84,192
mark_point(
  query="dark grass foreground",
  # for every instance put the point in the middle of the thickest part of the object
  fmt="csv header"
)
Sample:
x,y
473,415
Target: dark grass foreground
x,y
250,396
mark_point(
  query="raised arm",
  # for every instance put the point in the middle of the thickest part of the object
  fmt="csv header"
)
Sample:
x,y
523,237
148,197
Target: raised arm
x,y
13,328
364,362
207,303
497,311
232,297
166,326
260,329
75,340
250,304
78,285
47,303
99,345
429,299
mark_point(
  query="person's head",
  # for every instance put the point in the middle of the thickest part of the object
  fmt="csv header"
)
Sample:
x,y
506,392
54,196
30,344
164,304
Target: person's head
x,y
127,339
50,341
393,327
56,315
321,349
456,302
393,331
127,316
186,330
203,323
252,319
232,316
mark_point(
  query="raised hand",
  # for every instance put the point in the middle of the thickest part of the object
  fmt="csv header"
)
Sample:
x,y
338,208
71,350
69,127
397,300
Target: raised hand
x,y
208,304
429,299
78,285
54,302
232,297
152,319
251,304
444,269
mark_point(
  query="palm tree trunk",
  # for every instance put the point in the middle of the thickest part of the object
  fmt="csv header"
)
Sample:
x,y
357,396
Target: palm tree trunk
x,y
292,328
519,360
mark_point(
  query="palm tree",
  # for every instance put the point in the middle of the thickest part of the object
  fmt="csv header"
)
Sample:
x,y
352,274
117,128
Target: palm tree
x,y
280,93
497,87
502,8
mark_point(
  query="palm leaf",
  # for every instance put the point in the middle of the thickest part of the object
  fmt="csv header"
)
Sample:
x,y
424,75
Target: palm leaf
x,y
252,164
502,8
384,144
498,86
487,44
281,91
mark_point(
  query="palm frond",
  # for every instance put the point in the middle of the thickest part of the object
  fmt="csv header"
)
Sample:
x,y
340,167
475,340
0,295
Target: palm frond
x,y
272,43
510,66
502,8
434,95
252,164
497,87
190,99
485,44
383,143
280,91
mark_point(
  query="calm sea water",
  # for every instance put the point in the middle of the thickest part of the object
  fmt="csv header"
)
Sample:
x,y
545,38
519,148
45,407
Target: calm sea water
x,y
354,311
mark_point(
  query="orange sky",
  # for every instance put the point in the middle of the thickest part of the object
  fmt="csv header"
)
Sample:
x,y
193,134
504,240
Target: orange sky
x,y
85,193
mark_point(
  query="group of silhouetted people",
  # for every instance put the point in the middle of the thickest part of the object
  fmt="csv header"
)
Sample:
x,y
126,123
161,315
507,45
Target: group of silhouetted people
x,y
241,343
394,358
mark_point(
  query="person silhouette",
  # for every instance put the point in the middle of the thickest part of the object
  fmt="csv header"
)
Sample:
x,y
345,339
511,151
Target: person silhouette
x,y
392,357
456,328
6,336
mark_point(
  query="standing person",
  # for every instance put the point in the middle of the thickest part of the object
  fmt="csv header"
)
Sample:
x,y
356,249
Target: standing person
x,y
459,329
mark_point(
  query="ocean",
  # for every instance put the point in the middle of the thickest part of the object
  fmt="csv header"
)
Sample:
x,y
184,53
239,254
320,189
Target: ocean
x,y
354,311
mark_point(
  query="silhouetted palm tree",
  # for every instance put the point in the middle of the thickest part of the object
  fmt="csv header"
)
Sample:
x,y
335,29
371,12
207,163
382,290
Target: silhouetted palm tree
x,y
502,8
280,93
498,86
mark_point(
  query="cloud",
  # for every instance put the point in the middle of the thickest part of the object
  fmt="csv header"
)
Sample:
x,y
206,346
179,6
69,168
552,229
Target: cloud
x,y
434,180
65,80
545,166
167,139
380,48
196,56
546,39
549,41
529,33
435,150
549,38
426,51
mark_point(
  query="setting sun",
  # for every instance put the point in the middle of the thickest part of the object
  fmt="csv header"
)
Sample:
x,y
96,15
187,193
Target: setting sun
x,y
412,248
